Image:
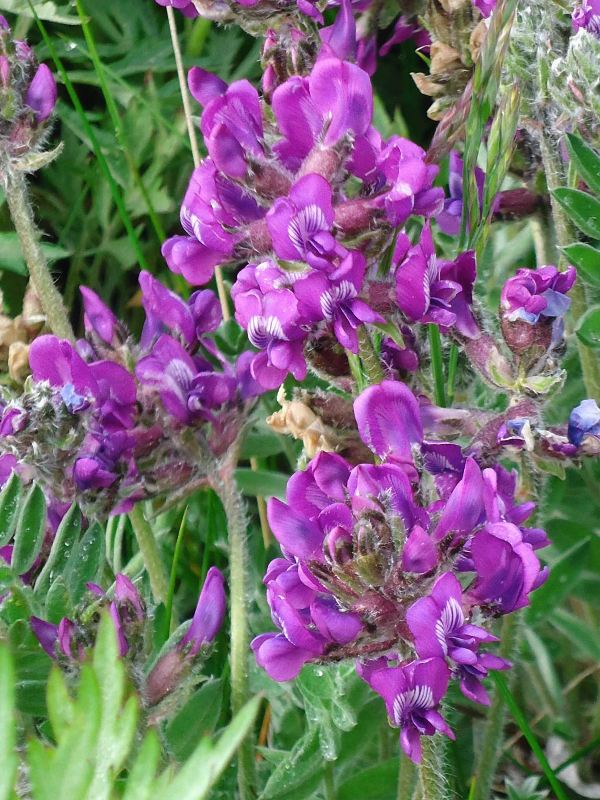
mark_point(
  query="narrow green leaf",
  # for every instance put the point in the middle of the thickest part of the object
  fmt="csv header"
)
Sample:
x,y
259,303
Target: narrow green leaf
x,y
588,327
8,757
586,258
204,767
143,771
582,208
29,534
10,498
198,718
62,547
521,721
85,561
299,773
582,635
586,161
372,783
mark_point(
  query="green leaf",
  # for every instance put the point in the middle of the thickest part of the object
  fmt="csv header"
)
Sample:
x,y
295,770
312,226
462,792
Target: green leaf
x,y
582,208
10,498
371,784
261,482
586,258
62,548
196,719
588,327
31,527
586,161
11,258
85,562
45,10
299,774
141,774
565,572
582,635
521,721
8,757
204,767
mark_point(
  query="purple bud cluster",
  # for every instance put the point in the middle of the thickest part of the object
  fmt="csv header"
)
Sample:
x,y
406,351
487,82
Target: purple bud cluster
x,y
27,96
397,563
69,641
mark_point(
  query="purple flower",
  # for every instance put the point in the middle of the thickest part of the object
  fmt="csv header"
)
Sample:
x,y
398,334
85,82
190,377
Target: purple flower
x,y
409,179
507,569
440,629
335,101
449,219
213,214
464,509
389,421
170,370
231,122
535,293
186,7
412,693
584,421
428,290
273,323
485,6
41,94
57,639
404,30
335,299
587,15
98,318
209,614
300,224
340,38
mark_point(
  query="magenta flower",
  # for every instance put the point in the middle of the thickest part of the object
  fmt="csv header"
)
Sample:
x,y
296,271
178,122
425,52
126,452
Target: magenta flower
x,y
428,290
535,293
440,629
209,614
98,318
412,693
335,300
186,7
586,15
507,569
300,224
273,323
41,94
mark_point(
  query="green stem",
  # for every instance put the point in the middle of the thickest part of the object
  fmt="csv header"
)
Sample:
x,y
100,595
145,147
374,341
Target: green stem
x,y
329,781
169,621
432,771
233,504
452,368
407,779
368,356
437,367
490,747
566,234
151,554
17,197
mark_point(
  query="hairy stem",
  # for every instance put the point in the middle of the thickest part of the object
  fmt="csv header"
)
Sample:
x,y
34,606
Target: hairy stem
x,y
566,234
368,357
490,747
233,504
151,554
432,772
189,121
17,197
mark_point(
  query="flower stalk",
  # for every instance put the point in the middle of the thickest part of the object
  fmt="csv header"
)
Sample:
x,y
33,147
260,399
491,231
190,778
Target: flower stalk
x,y
151,555
235,512
434,785
19,204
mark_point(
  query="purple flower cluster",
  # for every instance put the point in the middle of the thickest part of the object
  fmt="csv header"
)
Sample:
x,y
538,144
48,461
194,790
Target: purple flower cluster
x,y
310,195
106,387
373,555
